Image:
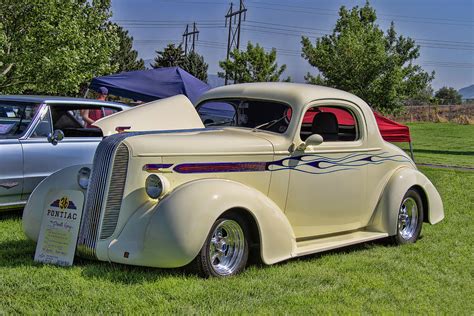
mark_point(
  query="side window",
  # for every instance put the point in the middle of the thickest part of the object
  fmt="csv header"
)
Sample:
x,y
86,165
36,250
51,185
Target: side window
x,y
106,111
44,127
217,114
70,119
333,123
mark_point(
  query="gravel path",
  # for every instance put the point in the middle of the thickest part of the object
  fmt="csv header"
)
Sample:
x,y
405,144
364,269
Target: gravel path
x,y
445,167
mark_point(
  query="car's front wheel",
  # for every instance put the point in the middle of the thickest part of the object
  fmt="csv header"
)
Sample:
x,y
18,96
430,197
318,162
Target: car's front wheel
x,y
410,218
226,249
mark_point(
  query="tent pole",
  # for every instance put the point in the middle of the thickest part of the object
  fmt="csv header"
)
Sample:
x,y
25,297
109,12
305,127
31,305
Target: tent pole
x,y
411,151
87,92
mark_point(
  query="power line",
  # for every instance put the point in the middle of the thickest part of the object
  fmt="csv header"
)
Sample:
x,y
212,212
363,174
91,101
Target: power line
x,y
335,12
271,26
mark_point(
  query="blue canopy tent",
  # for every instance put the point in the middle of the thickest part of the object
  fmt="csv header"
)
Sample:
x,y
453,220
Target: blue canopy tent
x,y
152,84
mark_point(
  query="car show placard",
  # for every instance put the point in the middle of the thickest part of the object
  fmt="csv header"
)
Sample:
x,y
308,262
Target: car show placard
x,y
60,228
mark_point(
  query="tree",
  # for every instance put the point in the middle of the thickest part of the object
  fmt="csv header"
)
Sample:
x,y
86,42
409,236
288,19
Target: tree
x,y
171,56
448,95
196,66
359,57
252,65
125,57
52,48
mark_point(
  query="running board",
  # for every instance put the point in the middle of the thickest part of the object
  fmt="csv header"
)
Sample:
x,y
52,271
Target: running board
x,y
336,241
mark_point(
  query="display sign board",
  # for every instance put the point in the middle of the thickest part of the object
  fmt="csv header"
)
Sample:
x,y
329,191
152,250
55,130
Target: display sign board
x,y
60,227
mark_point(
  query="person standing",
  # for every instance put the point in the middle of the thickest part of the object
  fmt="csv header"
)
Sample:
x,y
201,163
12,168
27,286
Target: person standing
x,y
91,115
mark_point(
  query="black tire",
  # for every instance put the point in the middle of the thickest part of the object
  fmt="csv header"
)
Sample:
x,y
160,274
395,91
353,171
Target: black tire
x,y
407,231
202,263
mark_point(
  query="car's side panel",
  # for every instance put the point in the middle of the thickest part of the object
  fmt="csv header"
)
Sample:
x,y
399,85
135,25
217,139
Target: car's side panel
x,y
180,223
41,158
385,217
11,172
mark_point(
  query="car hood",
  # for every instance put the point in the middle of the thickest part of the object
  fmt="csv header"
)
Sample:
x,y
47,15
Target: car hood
x,y
172,113
209,141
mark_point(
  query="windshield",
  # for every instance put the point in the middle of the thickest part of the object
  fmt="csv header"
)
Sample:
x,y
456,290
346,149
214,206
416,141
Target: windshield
x,y
257,114
15,117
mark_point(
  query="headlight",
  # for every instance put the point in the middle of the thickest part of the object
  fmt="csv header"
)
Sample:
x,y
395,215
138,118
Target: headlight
x,y
83,177
156,186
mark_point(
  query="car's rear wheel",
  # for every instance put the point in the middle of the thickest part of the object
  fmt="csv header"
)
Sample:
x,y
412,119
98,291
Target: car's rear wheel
x,y
226,249
410,218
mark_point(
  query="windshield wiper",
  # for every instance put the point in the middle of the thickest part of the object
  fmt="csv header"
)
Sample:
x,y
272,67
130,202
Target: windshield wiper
x,y
268,124
219,123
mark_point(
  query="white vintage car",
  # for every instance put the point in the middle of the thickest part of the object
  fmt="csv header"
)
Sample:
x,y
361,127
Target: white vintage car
x,y
288,170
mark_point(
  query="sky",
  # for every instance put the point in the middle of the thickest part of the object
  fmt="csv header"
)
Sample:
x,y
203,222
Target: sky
x,y
443,28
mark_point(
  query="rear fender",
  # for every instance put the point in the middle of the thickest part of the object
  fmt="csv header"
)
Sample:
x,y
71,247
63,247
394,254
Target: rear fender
x,y
385,218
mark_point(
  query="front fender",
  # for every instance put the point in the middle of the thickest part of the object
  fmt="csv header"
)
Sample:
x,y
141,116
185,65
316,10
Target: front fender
x,y
180,223
64,179
385,218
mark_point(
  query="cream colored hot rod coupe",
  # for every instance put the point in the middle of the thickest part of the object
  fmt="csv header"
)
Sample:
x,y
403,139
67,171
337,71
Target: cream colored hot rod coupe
x,y
277,171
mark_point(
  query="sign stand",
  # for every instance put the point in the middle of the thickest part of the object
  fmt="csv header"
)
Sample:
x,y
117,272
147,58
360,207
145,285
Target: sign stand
x,y
60,228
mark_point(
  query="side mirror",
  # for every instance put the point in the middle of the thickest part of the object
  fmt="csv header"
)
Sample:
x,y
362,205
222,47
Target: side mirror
x,y
55,137
313,140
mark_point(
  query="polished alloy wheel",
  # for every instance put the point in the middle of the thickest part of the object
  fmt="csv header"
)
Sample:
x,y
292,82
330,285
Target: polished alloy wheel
x,y
226,247
408,218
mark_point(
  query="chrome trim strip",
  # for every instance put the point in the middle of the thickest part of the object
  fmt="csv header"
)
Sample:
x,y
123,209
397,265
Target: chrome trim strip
x,y
12,205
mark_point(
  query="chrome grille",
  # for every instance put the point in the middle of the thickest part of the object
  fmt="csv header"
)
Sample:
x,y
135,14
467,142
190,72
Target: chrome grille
x,y
104,154
115,194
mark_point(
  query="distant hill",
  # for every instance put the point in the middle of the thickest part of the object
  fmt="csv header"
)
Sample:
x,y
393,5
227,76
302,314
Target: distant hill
x,y
467,92
148,63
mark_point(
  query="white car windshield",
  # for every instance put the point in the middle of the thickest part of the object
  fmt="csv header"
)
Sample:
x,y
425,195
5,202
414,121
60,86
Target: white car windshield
x,y
256,114
15,117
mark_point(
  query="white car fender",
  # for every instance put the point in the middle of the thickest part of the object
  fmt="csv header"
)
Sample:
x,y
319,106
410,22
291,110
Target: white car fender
x,y
182,221
385,217
65,179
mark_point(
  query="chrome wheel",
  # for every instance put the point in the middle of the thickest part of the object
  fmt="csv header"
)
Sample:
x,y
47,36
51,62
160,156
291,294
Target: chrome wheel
x,y
408,217
226,247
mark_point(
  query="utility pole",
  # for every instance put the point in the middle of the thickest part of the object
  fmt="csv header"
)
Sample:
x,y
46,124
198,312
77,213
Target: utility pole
x,y
234,28
195,36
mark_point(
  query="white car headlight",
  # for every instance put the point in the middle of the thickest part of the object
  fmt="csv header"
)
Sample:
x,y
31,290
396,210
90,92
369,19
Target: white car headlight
x,y
156,186
83,177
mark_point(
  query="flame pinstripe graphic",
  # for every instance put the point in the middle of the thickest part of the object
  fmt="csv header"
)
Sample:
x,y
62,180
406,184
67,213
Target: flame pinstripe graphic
x,y
313,164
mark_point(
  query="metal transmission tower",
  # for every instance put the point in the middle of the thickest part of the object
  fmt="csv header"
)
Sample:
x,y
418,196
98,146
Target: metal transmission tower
x,y
234,28
194,33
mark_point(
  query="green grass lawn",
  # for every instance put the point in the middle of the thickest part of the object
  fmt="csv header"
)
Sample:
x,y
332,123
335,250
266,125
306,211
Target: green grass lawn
x,y
442,143
435,275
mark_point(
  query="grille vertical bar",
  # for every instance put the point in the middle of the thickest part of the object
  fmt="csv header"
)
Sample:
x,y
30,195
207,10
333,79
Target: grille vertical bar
x,y
115,194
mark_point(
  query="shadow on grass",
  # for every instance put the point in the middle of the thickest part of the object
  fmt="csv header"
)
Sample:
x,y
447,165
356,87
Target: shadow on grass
x,y
21,252
125,274
11,214
17,253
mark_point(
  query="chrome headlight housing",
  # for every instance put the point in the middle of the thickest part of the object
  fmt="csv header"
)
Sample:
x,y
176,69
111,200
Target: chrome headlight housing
x,y
156,186
83,177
